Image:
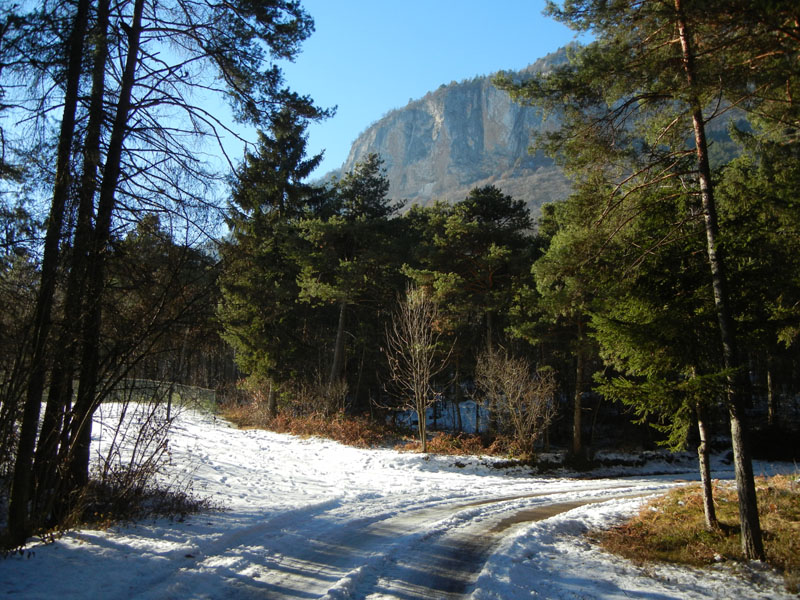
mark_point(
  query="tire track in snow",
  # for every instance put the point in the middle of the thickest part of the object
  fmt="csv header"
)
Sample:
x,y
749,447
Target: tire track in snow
x,y
446,565
223,561
430,552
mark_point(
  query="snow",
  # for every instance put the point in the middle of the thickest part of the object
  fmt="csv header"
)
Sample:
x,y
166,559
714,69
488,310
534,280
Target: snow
x,y
551,560
310,518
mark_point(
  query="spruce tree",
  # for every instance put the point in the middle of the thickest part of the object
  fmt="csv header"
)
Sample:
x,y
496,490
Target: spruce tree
x,y
270,197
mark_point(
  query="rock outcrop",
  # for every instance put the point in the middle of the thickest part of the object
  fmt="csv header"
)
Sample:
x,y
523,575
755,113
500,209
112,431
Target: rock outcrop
x,y
461,136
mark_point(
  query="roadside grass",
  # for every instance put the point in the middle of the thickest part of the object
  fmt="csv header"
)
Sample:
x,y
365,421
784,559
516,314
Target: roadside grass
x,y
360,432
364,432
671,528
467,444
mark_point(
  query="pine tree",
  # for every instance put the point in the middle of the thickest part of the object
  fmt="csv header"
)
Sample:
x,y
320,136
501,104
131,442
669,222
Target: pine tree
x,y
634,108
351,260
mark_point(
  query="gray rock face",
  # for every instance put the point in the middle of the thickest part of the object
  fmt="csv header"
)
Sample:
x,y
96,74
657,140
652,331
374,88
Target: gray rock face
x,y
461,136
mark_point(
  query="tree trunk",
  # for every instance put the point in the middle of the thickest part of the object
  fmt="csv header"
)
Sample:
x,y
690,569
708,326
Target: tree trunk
x,y
338,349
19,519
457,398
358,406
547,438
81,425
272,401
771,408
704,457
752,545
422,428
577,446
68,348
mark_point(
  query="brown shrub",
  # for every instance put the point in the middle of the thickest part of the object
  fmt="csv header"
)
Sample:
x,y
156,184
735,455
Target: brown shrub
x,y
359,431
462,444
363,432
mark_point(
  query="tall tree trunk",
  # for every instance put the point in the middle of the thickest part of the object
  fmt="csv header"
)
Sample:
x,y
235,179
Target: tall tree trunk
x,y
85,405
68,348
457,398
338,349
19,519
547,437
771,408
422,424
357,404
752,545
577,446
272,401
704,457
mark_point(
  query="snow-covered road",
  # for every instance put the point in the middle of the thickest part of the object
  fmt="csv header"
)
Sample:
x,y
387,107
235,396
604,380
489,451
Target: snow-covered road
x,y
309,518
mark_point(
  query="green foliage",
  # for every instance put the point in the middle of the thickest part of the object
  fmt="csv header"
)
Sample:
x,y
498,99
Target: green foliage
x,y
758,203
477,253
261,317
626,247
348,254
668,405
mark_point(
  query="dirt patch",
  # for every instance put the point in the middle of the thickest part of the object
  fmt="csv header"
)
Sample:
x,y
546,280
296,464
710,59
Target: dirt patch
x,y
540,513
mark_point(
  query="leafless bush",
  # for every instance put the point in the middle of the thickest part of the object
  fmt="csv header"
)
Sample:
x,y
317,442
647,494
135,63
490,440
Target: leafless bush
x,y
334,397
251,401
414,354
133,437
131,453
102,504
316,396
521,399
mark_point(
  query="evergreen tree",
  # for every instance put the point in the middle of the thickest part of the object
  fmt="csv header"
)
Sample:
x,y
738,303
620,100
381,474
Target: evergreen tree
x,y
634,107
351,258
655,326
259,308
759,209
473,254
564,292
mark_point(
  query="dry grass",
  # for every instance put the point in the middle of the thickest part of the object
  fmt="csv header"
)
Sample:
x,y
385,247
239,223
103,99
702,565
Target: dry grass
x,y
360,432
463,444
448,443
363,432
671,528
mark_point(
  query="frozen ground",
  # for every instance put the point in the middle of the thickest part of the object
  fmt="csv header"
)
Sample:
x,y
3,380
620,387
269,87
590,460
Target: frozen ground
x,y
309,518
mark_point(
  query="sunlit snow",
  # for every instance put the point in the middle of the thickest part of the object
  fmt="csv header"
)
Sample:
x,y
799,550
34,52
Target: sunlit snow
x,y
310,518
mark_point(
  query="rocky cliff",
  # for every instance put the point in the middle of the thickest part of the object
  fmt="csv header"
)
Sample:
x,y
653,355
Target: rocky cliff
x,y
461,136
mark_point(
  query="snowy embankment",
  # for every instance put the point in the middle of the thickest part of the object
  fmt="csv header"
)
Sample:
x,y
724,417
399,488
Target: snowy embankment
x,y
309,518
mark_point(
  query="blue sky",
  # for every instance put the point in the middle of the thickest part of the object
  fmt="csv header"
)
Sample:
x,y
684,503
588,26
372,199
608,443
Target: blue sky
x,y
368,57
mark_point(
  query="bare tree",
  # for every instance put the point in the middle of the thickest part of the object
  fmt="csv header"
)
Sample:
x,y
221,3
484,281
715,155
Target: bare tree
x,y
414,352
521,398
134,80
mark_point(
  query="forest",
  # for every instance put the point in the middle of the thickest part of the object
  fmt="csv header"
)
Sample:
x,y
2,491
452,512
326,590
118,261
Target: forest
x,y
665,290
